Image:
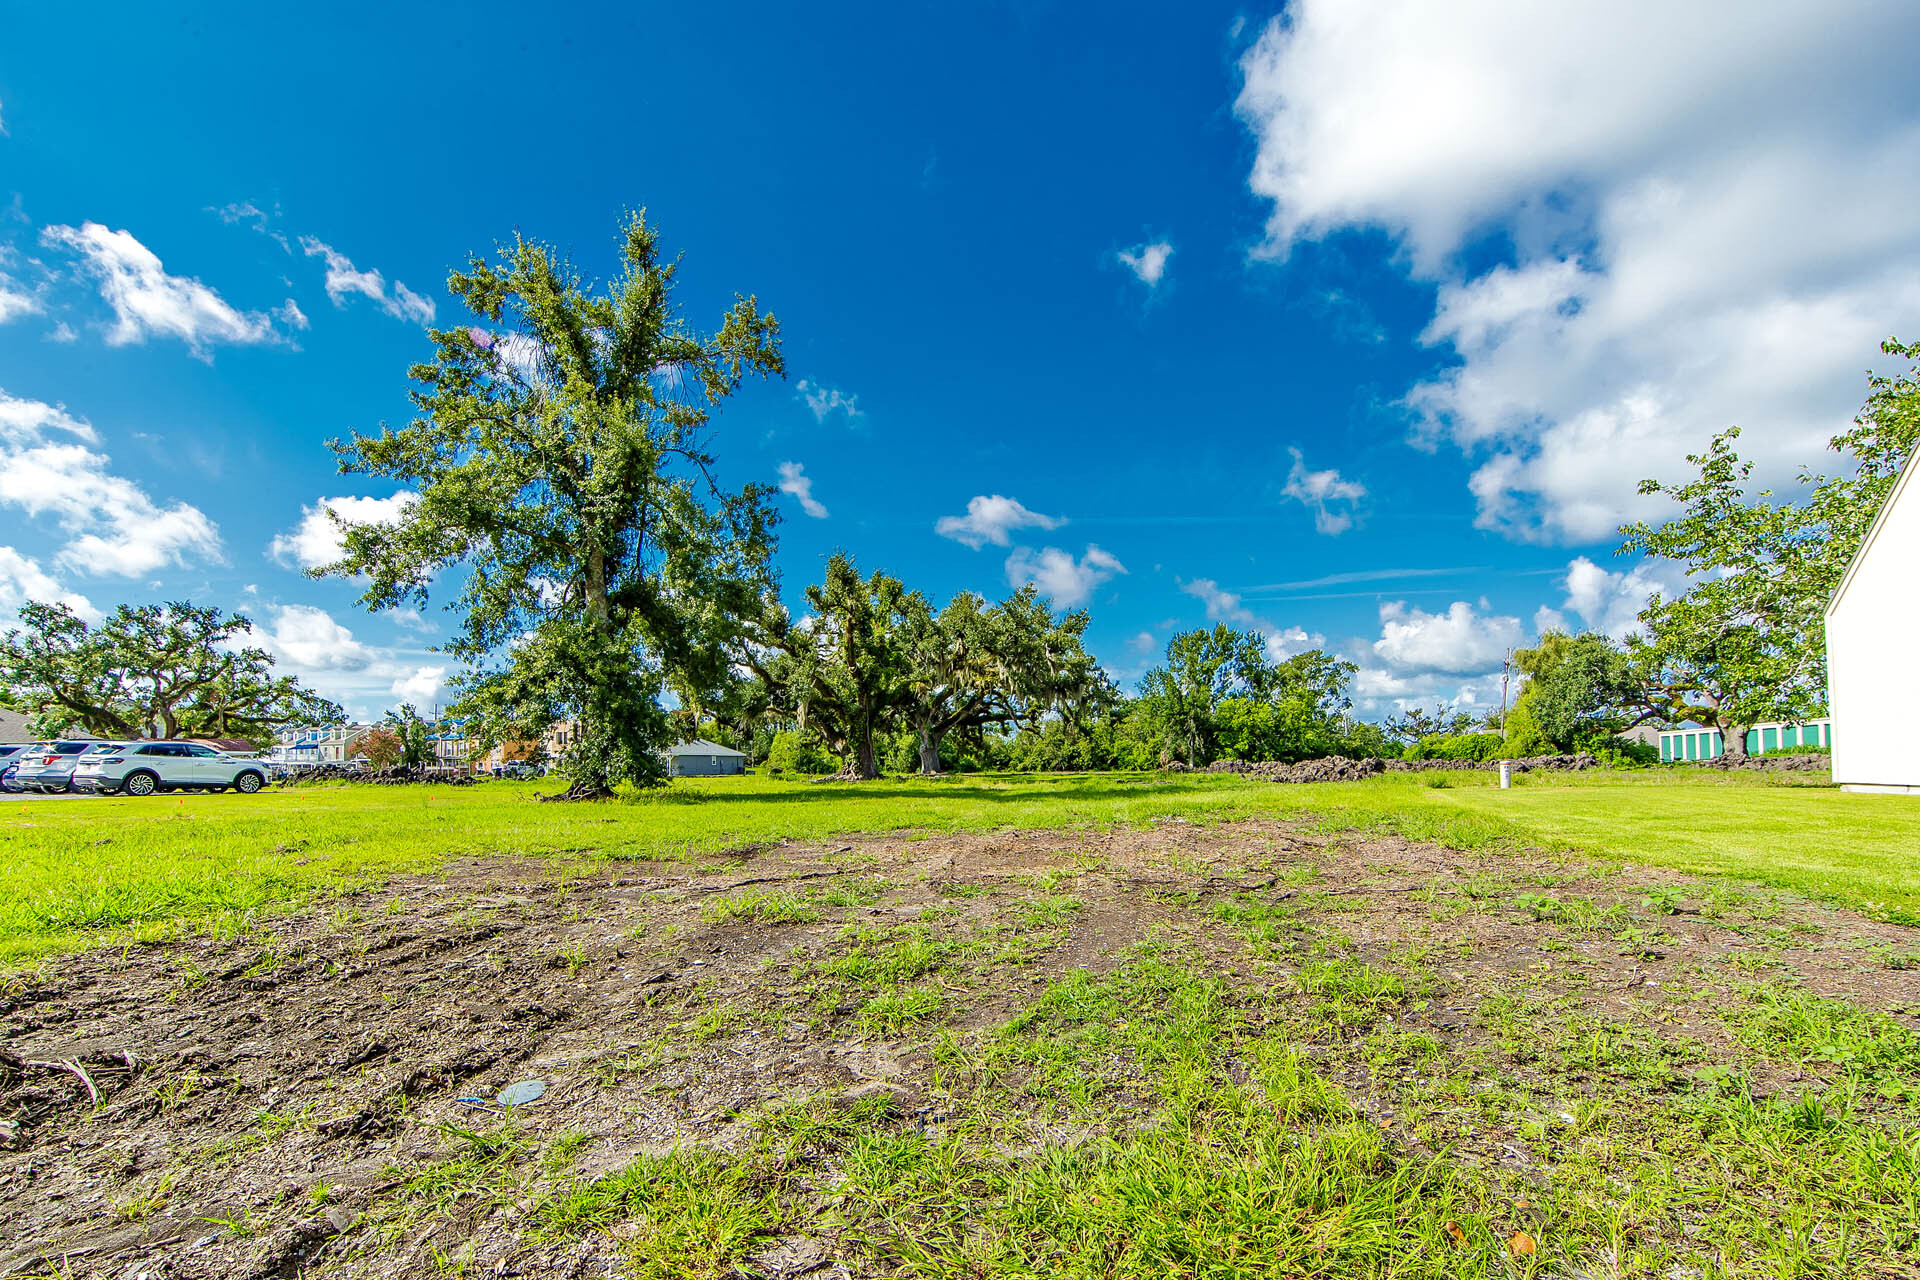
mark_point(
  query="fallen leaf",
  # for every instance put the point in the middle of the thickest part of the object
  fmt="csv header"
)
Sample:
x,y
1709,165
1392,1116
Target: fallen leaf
x,y
1521,1243
1458,1232
1522,1203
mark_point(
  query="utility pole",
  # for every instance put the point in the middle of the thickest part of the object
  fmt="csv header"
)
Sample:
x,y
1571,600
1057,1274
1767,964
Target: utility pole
x,y
1505,676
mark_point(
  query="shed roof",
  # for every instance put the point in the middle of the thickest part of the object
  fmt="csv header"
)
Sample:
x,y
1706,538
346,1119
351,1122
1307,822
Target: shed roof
x,y
13,726
701,747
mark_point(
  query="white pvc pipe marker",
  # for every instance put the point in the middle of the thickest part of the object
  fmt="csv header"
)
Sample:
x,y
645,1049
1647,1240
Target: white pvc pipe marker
x,y
1506,775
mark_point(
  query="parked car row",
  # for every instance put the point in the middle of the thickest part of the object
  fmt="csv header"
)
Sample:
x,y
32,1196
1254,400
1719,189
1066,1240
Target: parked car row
x,y
125,768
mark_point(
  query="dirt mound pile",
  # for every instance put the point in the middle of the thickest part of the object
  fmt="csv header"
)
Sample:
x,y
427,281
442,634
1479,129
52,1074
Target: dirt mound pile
x,y
1343,769
1774,764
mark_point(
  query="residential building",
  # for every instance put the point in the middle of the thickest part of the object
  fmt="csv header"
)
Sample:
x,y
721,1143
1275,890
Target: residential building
x,y
700,758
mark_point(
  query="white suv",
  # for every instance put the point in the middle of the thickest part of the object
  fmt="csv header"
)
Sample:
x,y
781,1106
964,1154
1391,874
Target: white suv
x,y
142,768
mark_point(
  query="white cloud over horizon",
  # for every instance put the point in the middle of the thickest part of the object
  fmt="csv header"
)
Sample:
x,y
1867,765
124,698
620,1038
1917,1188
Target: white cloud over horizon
x,y
795,480
1068,583
23,581
1460,641
993,518
1280,642
48,468
1706,208
148,302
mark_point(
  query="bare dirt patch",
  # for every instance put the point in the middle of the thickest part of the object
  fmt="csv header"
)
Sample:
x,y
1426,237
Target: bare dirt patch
x,y
291,1099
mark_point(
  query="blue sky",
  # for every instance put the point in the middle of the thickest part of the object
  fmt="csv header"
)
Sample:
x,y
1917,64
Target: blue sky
x,y
1355,323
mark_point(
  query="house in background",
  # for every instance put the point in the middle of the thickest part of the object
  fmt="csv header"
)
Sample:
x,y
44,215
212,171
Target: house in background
x,y
700,759
1691,742
1873,635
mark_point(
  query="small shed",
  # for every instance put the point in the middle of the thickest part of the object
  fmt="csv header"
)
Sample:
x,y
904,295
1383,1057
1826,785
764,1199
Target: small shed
x,y
702,759
1871,623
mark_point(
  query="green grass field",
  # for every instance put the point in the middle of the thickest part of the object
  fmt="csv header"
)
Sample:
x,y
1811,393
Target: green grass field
x,y
81,872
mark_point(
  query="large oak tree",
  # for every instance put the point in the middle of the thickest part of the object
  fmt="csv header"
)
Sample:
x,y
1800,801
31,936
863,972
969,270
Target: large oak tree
x,y
162,670
562,460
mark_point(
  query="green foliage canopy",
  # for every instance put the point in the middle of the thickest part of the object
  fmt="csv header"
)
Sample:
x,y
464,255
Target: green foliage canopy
x,y
561,459
164,670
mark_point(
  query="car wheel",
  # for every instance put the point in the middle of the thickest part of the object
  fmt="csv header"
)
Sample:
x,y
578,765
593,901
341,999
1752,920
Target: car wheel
x,y
247,783
140,784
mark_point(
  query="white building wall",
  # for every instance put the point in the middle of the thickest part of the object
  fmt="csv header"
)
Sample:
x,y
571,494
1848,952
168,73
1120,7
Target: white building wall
x,y
1873,653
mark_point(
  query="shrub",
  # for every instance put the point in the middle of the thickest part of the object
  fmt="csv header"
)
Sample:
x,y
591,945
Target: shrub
x,y
1460,746
791,753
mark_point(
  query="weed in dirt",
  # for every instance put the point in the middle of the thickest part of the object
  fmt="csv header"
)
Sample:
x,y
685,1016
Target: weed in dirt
x,y
687,1213
892,1012
1790,1023
760,907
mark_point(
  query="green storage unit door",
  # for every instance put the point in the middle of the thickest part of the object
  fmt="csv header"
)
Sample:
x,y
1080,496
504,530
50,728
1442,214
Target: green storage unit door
x,y
1771,737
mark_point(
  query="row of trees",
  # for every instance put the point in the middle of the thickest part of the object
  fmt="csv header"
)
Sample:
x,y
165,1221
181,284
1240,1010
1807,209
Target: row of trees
x,y
567,486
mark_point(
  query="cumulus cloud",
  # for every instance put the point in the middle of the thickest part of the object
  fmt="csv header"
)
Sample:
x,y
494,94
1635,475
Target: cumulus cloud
x,y
1708,211
1148,262
827,401
1067,582
47,467
319,539
1325,493
1459,641
794,480
147,302
1611,602
421,687
23,581
344,280
308,642
308,638
992,518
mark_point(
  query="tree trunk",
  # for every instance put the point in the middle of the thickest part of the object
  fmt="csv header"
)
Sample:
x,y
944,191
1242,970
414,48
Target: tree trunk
x,y
1735,736
929,750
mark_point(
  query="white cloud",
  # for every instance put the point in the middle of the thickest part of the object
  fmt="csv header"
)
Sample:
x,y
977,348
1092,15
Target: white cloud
x,y
992,518
413,620
1325,493
22,580
1222,606
1611,602
47,468
308,638
1067,582
421,687
344,279
308,642
15,298
63,332
827,401
246,213
1708,210
148,302
1459,641
1225,606
1148,262
318,540
794,480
